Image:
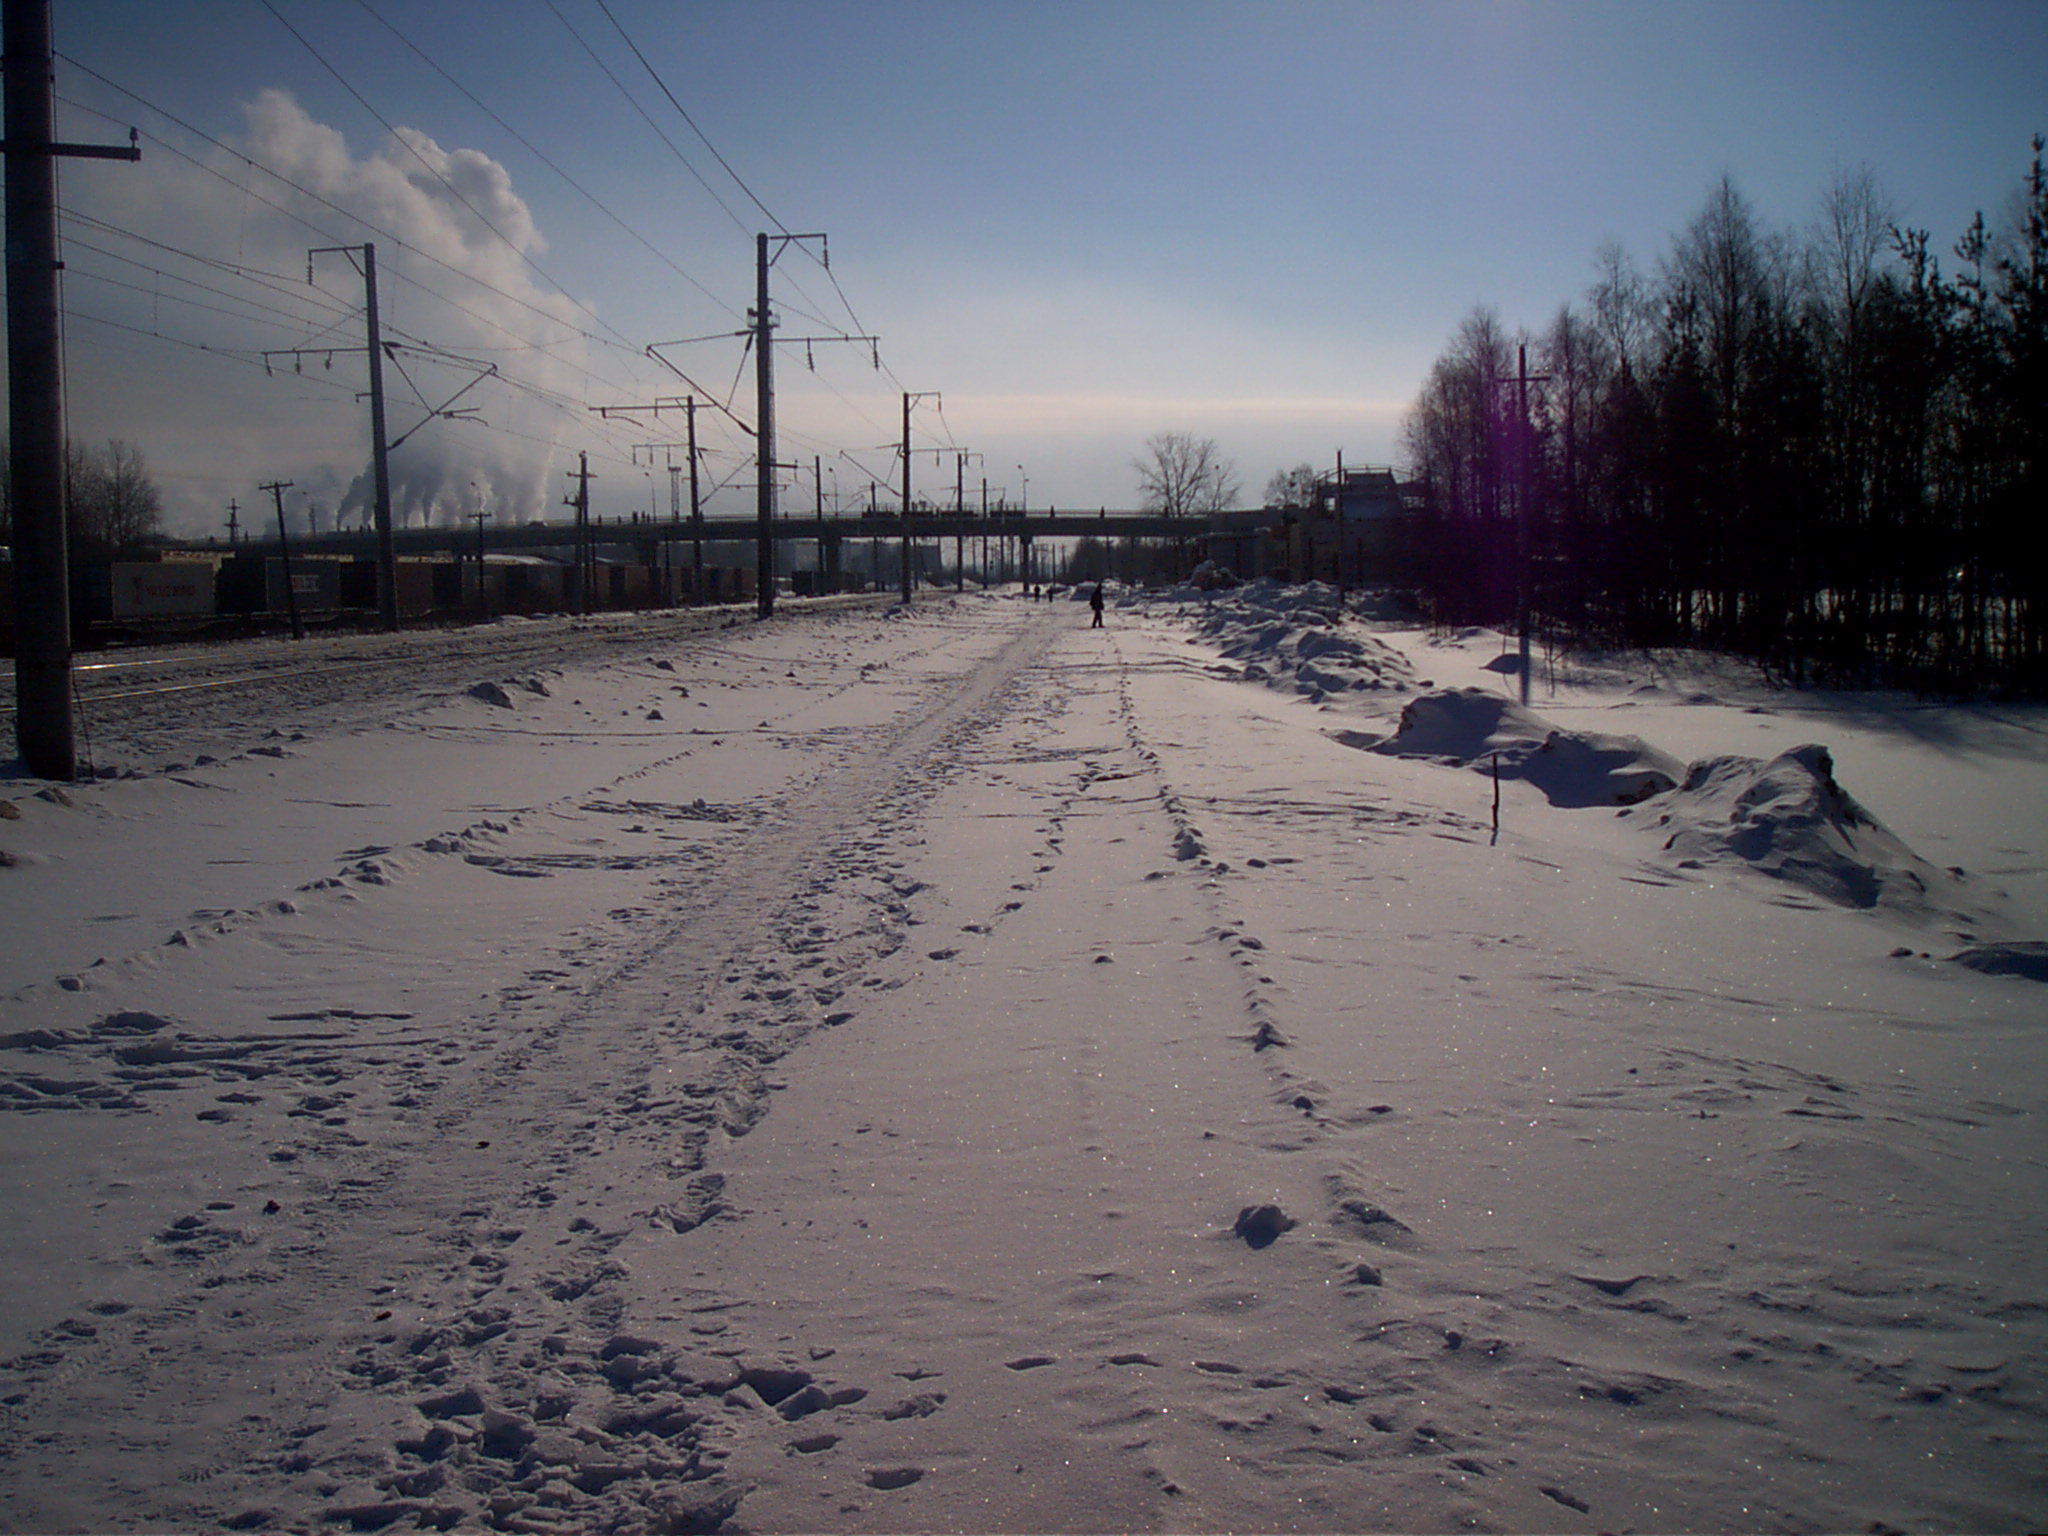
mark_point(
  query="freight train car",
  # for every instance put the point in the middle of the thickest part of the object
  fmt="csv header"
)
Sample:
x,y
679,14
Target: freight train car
x,y
145,589
196,592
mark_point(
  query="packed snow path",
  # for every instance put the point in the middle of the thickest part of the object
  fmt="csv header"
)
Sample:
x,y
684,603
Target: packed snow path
x,y
961,1070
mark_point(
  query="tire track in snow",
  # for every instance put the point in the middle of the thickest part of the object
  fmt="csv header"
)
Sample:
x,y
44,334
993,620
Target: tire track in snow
x,y
493,1370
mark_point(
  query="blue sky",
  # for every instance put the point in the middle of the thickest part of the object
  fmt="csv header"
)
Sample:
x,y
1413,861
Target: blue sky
x,y
1081,224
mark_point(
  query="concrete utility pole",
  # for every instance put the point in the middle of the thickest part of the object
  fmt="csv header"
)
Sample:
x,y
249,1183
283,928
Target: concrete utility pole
x,y
483,591
380,454
909,399
696,508
43,723
586,558
668,545
761,331
380,451
277,488
960,458
689,403
818,499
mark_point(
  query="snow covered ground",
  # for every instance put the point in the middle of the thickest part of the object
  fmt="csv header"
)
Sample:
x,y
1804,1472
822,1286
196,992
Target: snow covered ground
x,y
957,1069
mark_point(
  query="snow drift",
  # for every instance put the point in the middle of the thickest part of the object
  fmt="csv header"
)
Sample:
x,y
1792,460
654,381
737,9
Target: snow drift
x,y
1291,638
1789,818
1471,727
1786,817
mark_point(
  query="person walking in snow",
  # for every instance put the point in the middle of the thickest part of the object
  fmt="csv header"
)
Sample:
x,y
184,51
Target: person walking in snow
x,y
1095,602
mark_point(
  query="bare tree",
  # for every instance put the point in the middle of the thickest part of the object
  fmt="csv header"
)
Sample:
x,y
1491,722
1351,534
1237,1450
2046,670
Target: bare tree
x,y
1294,487
1849,241
1719,273
1183,475
111,504
1621,307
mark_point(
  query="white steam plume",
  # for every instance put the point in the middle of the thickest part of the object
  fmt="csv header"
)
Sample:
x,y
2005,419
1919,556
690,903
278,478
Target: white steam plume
x,y
212,430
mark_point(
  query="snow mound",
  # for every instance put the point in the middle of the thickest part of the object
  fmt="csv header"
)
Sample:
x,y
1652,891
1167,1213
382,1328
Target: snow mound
x,y
1789,819
1470,726
1292,637
2028,959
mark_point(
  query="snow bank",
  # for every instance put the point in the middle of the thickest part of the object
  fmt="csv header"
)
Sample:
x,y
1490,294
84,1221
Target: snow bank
x,y
1289,637
1469,726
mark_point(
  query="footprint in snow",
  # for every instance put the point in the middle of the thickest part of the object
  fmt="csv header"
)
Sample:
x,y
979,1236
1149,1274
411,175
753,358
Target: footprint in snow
x,y
888,1479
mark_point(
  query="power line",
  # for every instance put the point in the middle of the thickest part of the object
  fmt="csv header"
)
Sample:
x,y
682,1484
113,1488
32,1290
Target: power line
x,y
634,103
397,240
335,315
448,186
683,113
341,314
74,243
539,155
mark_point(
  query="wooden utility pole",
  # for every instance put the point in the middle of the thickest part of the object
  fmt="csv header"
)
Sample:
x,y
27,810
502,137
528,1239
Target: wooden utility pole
x,y
43,723
277,488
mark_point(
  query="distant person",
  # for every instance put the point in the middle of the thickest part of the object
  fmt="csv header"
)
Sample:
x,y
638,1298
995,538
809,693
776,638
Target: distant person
x,y
1095,602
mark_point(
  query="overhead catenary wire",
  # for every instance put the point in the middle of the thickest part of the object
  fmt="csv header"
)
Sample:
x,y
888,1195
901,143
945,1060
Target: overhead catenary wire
x,y
540,155
812,313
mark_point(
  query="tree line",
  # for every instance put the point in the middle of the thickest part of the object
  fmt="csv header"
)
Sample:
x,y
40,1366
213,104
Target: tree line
x,y
1818,448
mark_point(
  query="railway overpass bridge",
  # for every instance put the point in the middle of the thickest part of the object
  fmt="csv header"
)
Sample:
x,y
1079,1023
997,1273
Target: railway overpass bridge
x,y
830,532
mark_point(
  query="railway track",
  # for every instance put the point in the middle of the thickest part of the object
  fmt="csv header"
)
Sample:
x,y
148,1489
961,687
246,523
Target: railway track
x,y
172,705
